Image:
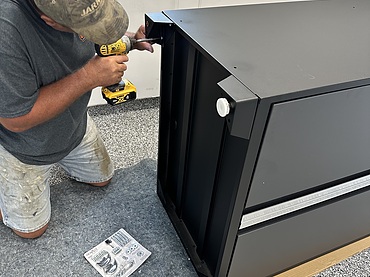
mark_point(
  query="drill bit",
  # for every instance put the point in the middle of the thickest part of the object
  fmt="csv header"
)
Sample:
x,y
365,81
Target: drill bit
x,y
144,40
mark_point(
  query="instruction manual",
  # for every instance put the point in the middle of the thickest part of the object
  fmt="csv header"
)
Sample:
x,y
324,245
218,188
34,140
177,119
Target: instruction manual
x,y
118,256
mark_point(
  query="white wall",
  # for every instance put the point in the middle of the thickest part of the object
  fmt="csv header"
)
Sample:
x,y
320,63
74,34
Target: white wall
x,y
143,67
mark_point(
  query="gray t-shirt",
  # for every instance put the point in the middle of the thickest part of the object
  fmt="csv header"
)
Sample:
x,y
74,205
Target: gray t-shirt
x,y
32,55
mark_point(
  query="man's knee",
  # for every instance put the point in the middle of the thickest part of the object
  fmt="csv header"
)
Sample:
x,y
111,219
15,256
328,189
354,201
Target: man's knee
x,y
32,235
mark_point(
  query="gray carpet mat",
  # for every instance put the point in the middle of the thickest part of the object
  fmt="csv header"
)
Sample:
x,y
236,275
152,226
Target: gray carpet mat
x,y
83,216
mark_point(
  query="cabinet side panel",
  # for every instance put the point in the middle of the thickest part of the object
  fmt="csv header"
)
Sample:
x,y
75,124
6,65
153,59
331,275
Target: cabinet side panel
x,y
203,148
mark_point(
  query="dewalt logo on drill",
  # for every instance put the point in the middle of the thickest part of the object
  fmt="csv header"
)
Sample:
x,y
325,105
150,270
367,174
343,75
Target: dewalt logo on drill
x,y
117,48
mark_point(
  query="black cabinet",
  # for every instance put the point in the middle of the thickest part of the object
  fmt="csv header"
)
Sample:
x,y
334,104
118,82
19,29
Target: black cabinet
x,y
278,173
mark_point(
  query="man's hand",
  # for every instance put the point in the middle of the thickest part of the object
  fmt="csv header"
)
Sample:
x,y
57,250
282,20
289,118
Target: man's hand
x,y
140,33
106,70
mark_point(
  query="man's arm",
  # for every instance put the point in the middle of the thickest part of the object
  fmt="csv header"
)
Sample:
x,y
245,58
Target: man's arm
x,y
54,98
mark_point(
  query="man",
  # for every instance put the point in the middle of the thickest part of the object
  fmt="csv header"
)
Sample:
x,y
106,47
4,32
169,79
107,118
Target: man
x,y
48,68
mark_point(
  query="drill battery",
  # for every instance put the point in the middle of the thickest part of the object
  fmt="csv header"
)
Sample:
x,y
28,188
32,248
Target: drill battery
x,y
119,93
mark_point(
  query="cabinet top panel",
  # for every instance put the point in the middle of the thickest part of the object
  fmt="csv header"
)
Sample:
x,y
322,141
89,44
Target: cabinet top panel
x,y
283,48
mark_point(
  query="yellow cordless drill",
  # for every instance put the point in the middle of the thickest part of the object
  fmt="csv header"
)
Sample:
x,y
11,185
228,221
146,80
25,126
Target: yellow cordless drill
x,y
124,90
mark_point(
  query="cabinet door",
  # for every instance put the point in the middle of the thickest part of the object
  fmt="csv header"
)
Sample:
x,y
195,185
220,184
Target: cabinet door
x,y
311,143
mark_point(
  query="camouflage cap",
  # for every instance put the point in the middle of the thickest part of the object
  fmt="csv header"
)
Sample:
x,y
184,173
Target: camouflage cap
x,y
100,21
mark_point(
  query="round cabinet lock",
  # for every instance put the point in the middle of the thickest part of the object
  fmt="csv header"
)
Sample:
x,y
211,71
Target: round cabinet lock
x,y
223,107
